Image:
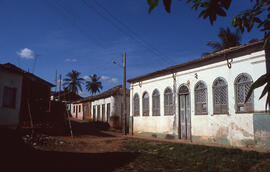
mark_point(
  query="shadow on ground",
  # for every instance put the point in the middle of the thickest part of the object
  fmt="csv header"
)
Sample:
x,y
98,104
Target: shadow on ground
x,y
90,128
15,155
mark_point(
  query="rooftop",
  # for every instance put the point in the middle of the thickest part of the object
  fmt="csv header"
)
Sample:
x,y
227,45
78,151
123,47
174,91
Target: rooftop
x,y
117,90
14,69
218,56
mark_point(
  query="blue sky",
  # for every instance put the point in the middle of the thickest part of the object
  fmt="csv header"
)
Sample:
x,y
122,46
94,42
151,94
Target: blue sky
x,y
48,35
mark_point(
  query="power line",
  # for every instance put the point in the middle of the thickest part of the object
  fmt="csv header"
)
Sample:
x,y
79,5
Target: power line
x,y
74,23
127,31
130,30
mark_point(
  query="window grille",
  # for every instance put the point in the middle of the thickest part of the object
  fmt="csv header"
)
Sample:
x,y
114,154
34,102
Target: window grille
x,y
200,98
220,95
156,103
136,105
242,85
145,104
168,102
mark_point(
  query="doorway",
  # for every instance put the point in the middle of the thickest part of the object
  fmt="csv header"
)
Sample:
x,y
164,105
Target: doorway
x,y
184,113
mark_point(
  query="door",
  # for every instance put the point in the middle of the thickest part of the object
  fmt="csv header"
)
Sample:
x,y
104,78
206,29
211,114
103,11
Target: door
x,y
103,113
184,113
108,112
76,111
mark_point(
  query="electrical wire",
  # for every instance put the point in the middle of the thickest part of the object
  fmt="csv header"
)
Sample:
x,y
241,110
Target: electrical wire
x,y
127,30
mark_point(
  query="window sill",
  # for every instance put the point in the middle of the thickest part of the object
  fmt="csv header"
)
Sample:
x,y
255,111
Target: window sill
x,y
168,114
220,114
201,114
245,112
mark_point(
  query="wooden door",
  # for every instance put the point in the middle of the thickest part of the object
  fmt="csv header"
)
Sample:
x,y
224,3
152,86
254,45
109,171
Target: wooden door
x,y
184,113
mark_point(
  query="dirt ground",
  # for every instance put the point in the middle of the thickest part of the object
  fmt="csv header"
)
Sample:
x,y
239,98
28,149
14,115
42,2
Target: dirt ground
x,y
95,147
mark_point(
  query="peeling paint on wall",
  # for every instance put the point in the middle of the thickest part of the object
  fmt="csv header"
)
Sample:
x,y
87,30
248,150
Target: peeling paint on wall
x,y
261,123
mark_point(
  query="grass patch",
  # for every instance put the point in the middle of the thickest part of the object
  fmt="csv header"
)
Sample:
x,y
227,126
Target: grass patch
x,y
160,156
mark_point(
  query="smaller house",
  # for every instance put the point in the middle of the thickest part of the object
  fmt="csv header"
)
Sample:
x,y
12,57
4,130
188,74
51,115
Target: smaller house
x,y
21,93
103,107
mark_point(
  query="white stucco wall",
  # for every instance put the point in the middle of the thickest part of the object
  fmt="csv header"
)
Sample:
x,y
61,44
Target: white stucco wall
x,y
78,114
105,101
10,116
233,126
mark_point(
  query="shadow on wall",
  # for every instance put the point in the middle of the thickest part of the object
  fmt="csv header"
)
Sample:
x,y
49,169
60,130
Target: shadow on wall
x,y
15,155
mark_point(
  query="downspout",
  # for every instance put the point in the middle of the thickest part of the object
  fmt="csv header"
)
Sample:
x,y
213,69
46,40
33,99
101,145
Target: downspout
x,y
175,128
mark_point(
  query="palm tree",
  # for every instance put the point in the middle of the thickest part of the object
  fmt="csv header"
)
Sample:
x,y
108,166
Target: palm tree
x,y
94,85
227,39
73,82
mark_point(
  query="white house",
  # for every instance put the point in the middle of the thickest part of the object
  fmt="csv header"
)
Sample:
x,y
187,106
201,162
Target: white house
x,y
77,110
10,96
203,100
104,107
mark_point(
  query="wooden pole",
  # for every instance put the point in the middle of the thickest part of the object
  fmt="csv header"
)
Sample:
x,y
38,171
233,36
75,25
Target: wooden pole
x,y
30,117
124,115
70,128
59,98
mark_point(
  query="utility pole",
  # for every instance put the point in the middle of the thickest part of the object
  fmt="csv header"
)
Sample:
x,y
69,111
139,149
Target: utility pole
x,y
124,113
59,98
56,83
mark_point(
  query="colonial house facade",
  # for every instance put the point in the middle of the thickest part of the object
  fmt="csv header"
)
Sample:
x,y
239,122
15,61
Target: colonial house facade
x,y
204,100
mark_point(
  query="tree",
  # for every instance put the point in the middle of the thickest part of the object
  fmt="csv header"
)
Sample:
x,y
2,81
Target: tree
x,y
73,82
227,39
94,85
258,14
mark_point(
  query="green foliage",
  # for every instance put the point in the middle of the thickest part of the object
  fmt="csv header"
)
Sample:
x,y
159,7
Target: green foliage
x,y
258,83
154,3
94,85
227,39
73,82
246,19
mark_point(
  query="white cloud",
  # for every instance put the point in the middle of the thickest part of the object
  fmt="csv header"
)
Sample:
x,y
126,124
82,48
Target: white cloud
x,y
109,79
70,60
114,80
86,77
26,53
105,78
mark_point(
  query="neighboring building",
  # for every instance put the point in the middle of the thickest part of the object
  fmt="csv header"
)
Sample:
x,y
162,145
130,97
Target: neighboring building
x,y
21,93
66,97
203,100
87,110
77,110
103,107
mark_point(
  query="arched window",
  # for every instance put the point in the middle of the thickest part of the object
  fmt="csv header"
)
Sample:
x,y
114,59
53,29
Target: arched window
x,y
145,104
168,102
136,105
156,103
220,96
200,98
242,85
